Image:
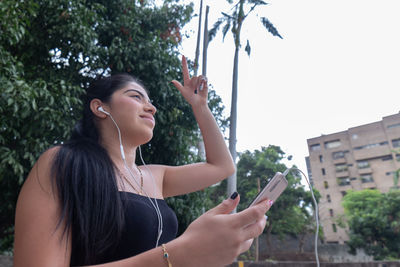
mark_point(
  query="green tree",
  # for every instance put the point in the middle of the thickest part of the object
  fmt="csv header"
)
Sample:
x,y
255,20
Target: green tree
x,y
234,22
49,52
373,219
292,213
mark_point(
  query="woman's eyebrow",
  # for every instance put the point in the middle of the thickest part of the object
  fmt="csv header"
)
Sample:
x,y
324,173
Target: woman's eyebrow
x,y
134,90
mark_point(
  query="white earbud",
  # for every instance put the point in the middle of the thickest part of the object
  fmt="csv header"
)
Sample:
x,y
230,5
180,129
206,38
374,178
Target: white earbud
x,y
102,110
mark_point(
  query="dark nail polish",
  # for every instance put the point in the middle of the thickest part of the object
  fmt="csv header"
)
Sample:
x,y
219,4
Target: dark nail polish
x,y
234,195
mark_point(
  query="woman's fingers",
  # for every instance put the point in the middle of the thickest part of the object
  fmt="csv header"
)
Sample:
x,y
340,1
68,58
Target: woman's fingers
x,y
185,71
226,206
255,229
245,246
252,214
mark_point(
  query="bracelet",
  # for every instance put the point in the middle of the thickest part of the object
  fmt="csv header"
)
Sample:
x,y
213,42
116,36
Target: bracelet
x,y
166,255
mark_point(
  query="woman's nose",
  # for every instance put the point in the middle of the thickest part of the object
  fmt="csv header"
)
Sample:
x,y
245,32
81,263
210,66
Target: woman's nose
x,y
151,108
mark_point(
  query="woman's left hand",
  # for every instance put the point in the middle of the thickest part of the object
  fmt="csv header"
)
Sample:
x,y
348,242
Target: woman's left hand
x,y
194,89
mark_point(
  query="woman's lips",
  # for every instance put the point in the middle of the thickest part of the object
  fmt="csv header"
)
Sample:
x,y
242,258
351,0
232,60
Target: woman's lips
x,y
150,118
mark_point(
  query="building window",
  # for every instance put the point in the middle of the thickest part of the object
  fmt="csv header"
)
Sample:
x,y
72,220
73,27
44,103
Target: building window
x,y
396,142
315,147
332,242
343,193
343,181
328,197
367,178
323,171
332,144
371,145
354,136
321,159
393,125
331,212
341,167
353,178
362,164
388,157
338,155
326,186
398,157
389,173
334,227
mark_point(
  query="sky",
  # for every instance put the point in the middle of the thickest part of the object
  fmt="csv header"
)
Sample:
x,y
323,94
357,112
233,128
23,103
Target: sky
x,y
337,66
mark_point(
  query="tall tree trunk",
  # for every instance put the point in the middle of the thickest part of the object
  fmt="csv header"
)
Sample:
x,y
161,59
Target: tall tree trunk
x,y
200,146
196,58
205,43
233,120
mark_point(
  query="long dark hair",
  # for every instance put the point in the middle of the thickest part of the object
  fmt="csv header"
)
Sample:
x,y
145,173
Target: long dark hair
x,y
91,207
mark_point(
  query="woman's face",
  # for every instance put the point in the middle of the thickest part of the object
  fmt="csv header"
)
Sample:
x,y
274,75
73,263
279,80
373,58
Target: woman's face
x,y
132,110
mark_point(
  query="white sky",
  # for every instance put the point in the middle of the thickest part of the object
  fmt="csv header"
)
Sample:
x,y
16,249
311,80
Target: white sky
x,y
337,66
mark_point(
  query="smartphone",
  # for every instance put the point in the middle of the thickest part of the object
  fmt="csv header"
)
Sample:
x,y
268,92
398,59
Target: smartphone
x,y
272,190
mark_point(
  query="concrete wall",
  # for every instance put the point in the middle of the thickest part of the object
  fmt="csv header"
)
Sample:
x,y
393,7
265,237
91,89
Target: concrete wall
x,y
288,250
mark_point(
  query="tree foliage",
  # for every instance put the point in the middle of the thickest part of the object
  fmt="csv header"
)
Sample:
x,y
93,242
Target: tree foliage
x,y
234,22
292,213
373,219
49,52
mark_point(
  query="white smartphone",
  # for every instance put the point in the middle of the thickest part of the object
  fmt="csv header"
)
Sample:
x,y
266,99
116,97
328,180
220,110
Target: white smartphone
x,y
272,190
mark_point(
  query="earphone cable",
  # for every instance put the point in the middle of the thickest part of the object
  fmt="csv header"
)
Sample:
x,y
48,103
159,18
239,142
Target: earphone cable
x,y
155,206
154,188
316,211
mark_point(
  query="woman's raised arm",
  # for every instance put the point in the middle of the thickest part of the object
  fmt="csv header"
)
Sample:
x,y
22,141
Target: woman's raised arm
x,y
219,164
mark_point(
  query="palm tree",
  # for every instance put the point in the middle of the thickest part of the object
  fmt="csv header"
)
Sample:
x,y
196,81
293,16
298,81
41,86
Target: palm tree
x,y
234,21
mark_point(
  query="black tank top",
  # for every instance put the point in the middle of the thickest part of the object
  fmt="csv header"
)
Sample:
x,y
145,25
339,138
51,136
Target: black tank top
x,y
141,228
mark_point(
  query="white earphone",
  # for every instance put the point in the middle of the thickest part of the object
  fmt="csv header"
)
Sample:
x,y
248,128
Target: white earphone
x,y
155,204
101,109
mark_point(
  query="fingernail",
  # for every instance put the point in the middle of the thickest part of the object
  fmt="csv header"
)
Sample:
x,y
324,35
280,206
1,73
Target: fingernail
x,y
195,91
234,195
270,202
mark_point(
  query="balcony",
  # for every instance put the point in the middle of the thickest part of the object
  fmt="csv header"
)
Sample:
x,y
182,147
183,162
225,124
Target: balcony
x,y
368,185
339,161
343,173
371,152
365,170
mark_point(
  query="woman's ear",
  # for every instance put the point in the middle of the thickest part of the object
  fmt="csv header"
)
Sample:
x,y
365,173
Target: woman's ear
x,y
95,106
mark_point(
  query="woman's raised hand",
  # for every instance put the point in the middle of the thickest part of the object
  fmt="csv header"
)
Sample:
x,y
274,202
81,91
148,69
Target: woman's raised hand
x,y
194,89
217,237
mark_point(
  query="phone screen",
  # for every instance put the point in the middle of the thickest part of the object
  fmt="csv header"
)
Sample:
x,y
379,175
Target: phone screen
x,y
272,190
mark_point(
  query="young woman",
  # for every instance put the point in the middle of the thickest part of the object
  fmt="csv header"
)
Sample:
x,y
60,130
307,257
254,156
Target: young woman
x,y
86,202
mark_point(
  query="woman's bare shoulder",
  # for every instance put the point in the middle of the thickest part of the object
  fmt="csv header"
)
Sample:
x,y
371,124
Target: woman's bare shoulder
x,y
39,179
37,237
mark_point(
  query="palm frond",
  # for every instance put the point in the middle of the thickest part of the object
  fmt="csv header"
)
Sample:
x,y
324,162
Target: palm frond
x,y
270,27
226,29
248,48
257,2
226,15
213,32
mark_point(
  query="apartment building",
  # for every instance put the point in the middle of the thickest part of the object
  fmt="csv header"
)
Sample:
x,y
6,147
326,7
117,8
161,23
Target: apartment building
x,y
361,157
